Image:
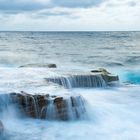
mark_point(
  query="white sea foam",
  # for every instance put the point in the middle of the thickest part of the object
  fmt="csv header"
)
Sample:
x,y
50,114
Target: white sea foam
x,y
113,114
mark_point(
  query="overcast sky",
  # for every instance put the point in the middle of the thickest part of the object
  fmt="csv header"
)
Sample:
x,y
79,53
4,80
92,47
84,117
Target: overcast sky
x,y
69,15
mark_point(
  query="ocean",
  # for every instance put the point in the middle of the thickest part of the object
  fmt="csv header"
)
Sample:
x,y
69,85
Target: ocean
x,y
112,111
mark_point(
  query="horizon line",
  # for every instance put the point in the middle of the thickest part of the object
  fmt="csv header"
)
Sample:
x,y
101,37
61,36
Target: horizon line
x,y
69,31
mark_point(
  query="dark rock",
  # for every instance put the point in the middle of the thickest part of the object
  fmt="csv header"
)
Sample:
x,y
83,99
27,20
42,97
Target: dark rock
x,y
110,78
96,71
59,102
41,100
107,76
38,65
51,65
101,70
48,106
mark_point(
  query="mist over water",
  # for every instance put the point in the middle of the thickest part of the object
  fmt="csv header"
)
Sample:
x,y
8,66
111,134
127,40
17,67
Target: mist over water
x,y
112,113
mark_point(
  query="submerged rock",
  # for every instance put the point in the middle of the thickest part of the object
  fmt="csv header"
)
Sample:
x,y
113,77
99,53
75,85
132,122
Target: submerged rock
x,y
49,107
39,65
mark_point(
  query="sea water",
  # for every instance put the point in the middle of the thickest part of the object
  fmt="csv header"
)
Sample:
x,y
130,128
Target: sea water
x,y
112,112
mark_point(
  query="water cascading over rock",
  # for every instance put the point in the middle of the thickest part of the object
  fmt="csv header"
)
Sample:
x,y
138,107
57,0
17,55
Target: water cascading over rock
x,y
47,106
77,81
1,128
5,101
52,107
96,78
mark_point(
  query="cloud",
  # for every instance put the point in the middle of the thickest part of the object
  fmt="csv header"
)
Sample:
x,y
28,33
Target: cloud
x,y
22,5
70,15
28,5
53,12
77,3
132,3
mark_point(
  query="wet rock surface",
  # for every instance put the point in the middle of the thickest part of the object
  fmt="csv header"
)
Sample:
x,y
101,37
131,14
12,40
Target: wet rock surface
x,y
49,107
38,66
107,76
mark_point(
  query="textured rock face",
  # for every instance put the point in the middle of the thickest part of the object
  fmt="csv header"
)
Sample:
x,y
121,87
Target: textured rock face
x,y
107,76
49,107
29,104
38,66
110,78
1,128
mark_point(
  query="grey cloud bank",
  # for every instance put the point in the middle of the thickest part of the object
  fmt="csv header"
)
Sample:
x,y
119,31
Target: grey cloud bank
x,y
77,3
27,5
69,15
18,5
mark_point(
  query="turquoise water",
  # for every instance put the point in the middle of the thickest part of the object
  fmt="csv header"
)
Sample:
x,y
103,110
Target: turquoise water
x,y
113,112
